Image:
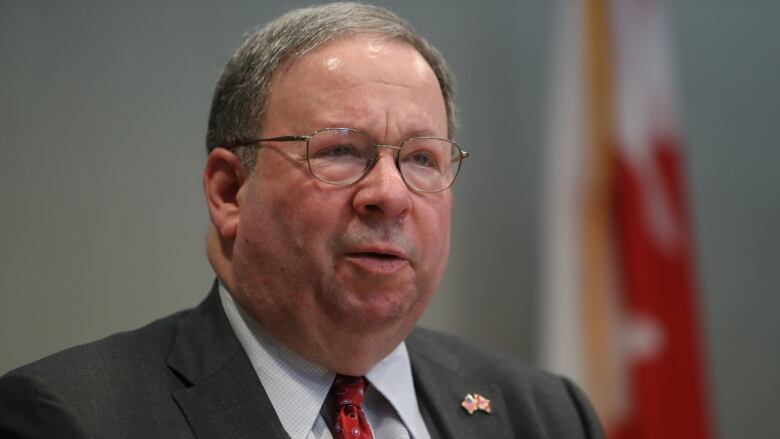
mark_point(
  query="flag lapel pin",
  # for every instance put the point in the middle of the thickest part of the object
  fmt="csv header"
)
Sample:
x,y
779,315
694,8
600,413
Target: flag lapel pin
x,y
472,403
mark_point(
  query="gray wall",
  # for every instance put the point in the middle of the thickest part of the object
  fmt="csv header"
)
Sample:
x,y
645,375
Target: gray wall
x,y
103,108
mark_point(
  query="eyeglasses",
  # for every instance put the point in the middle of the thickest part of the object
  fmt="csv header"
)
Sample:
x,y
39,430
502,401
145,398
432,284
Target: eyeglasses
x,y
343,156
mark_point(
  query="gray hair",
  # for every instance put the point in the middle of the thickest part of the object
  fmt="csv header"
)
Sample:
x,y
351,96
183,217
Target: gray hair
x,y
241,95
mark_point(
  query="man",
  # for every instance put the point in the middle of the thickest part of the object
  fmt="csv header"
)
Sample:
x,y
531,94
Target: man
x,y
327,183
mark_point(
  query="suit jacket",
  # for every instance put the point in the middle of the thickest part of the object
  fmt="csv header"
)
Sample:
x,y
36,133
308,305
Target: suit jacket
x,y
187,375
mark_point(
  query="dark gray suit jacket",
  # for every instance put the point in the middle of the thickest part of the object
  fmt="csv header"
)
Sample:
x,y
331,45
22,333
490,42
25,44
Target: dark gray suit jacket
x,y
187,376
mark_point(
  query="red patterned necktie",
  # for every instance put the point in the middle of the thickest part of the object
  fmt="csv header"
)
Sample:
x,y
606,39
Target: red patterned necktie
x,y
350,423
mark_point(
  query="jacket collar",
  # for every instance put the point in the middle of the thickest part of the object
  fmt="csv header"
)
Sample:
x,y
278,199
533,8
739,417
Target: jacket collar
x,y
442,383
223,396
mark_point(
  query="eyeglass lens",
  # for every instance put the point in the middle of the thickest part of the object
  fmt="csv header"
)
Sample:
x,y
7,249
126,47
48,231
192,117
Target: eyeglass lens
x,y
343,156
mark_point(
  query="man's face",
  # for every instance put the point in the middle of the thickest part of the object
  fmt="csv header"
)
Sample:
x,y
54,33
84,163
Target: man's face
x,y
310,257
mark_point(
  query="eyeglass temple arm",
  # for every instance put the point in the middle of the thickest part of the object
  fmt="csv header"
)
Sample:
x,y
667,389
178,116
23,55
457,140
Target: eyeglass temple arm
x,y
271,139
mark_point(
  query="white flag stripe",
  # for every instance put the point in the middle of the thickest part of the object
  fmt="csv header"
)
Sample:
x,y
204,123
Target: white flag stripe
x,y
644,106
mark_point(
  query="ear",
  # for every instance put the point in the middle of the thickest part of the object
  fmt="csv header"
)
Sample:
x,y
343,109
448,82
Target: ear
x,y
223,178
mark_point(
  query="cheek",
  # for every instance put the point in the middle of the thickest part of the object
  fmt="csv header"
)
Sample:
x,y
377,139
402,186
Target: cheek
x,y
436,236
444,249
267,226
306,222
281,246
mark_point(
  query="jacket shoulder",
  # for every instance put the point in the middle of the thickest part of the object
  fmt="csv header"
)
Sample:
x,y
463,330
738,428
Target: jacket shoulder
x,y
68,394
552,404
148,344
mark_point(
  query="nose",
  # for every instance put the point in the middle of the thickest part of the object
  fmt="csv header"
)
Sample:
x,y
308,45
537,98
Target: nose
x,y
382,193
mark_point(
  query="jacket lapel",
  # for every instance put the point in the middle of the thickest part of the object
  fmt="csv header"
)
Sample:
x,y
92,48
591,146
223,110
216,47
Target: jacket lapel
x,y
223,397
441,387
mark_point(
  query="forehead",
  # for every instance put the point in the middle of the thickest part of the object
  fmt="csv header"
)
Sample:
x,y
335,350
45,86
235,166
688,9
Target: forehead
x,y
361,57
357,80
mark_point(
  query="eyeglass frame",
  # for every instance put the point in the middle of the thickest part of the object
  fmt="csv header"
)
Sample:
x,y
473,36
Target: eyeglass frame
x,y
371,163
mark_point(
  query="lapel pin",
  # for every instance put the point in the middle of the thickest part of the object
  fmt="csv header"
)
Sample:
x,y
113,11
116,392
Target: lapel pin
x,y
472,403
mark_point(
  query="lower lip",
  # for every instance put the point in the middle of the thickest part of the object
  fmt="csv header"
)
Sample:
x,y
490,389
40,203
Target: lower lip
x,y
377,265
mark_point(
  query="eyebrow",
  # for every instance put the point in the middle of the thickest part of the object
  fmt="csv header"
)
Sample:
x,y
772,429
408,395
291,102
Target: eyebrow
x,y
407,135
422,132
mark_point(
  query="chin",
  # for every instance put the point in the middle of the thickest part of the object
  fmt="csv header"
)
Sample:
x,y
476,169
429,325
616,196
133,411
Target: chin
x,y
377,310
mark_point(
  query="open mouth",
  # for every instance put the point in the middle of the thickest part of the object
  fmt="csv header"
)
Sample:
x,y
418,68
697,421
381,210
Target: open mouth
x,y
376,262
378,256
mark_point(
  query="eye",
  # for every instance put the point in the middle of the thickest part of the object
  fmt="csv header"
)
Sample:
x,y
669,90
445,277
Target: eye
x,y
338,151
423,159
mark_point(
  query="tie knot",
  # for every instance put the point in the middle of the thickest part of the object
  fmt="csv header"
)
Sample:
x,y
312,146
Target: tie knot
x,y
348,390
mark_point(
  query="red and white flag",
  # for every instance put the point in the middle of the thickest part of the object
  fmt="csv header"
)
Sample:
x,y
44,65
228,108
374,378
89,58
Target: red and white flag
x,y
620,313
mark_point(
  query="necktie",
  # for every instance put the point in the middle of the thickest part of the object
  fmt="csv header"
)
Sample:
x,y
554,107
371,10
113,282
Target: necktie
x,y
347,394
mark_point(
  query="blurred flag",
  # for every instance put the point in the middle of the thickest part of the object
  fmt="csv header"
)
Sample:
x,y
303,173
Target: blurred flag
x,y
620,313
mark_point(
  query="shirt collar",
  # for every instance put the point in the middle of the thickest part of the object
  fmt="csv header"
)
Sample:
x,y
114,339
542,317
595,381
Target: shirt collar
x,y
392,377
297,388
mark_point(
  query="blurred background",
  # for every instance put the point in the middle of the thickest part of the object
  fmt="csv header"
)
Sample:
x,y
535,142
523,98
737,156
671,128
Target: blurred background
x,y
103,110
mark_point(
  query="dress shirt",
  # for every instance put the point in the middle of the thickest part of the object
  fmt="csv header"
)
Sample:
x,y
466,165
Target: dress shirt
x,y
298,389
